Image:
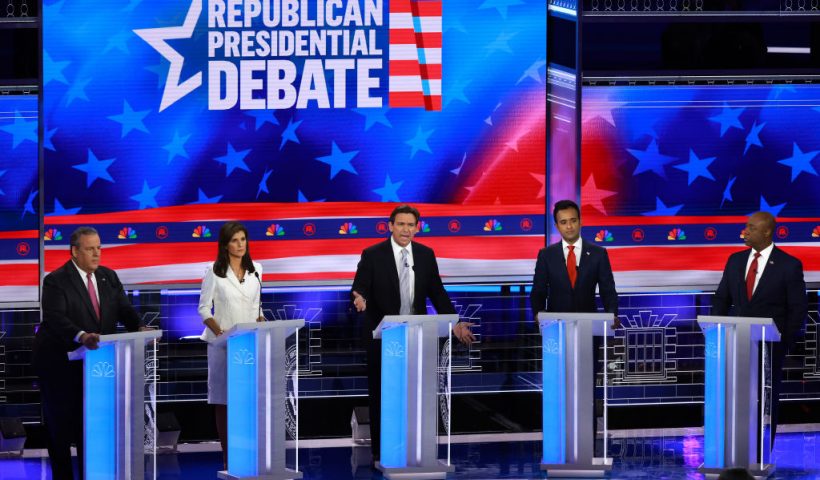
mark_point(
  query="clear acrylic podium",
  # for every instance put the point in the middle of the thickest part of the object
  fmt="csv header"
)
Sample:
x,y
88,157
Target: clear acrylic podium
x,y
113,398
259,364
734,427
409,405
568,403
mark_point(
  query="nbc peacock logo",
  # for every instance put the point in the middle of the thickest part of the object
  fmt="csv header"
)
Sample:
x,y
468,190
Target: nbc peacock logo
x,y
127,233
604,236
348,228
676,234
492,225
816,232
275,230
52,234
424,227
201,231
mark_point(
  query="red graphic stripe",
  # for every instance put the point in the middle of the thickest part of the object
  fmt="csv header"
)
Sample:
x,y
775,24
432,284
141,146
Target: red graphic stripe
x,y
693,258
406,99
402,36
432,102
403,68
425,9
24,275
400,6
19,234
603,221
431,71
427,40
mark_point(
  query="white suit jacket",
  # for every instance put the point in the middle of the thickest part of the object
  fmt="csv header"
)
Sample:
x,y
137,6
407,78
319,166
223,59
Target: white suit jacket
x,y
231,301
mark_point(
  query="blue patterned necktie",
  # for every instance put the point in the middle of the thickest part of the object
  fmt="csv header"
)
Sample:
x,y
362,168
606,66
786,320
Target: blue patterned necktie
x,y
404,285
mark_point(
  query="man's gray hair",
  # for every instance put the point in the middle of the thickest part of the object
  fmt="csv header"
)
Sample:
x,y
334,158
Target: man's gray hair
x,y
74,241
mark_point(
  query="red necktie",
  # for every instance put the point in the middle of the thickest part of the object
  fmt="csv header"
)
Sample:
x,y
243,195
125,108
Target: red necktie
x,y
750,277
93,294
572,269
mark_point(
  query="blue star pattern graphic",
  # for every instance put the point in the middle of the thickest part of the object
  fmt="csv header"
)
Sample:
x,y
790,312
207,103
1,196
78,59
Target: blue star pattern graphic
x,y
233,160
744,148
800,162
697,167
339,160
21,129
147,197
95,169
130,120
728,118
389,192
19,196
650,160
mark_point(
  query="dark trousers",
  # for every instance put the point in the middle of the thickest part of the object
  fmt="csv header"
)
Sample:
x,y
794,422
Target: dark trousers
x,y
374,386
61,391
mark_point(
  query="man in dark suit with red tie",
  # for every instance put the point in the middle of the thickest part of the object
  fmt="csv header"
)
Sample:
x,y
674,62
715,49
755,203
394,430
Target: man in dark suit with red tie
x,y
81,300
764,281
568,272
396,277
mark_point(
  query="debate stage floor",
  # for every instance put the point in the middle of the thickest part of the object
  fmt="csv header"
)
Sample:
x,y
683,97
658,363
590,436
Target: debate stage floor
x,y
656,454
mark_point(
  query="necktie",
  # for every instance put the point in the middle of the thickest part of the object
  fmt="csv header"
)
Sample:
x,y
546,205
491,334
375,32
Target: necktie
x,y
404,285
572,269
93,294
750,277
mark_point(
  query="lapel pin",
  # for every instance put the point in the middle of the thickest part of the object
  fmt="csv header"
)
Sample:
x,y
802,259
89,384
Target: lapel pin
x,y
771,262
587,253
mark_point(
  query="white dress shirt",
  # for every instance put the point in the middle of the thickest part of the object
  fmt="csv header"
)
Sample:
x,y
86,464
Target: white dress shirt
x,y
761,263
84,279
397,255
232,302
577,250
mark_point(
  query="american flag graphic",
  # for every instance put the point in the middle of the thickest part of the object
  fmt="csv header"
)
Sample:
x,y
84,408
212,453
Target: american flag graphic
x,y
415,54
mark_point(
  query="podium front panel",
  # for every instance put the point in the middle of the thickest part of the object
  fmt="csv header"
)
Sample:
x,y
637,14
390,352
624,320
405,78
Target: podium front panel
x,y
101,416
242,422
714,410
394,397
554,385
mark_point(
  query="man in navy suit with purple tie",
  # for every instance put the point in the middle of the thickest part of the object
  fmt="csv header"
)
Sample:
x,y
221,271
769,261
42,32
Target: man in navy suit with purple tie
x,y
764,281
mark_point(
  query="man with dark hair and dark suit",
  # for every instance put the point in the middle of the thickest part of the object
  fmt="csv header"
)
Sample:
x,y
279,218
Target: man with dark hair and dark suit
x,y
396,277
568,272
81,300
764,281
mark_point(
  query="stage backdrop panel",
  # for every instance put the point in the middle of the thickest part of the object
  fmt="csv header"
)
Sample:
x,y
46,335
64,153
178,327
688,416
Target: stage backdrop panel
x,y
170,117
19,201
669,175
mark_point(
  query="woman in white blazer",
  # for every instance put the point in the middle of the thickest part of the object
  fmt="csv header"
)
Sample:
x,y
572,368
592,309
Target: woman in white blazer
x,y
230,294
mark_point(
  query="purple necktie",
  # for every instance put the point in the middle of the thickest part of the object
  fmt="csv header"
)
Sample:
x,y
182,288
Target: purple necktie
x,y
93,294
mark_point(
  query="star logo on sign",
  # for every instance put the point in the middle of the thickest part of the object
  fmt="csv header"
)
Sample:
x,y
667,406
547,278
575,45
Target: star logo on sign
x,y
158,39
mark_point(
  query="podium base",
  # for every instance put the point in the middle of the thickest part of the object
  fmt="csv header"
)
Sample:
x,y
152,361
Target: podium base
x,y
754,469
434,471
595,468
286,474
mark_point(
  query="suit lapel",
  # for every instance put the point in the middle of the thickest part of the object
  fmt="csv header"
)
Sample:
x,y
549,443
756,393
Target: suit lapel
x,y
82,288
393,272
231,277
767,272
559,260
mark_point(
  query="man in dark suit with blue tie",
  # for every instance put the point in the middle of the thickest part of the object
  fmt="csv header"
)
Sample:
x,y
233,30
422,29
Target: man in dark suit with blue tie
x,y
396,277
81,300
568,272
764,281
